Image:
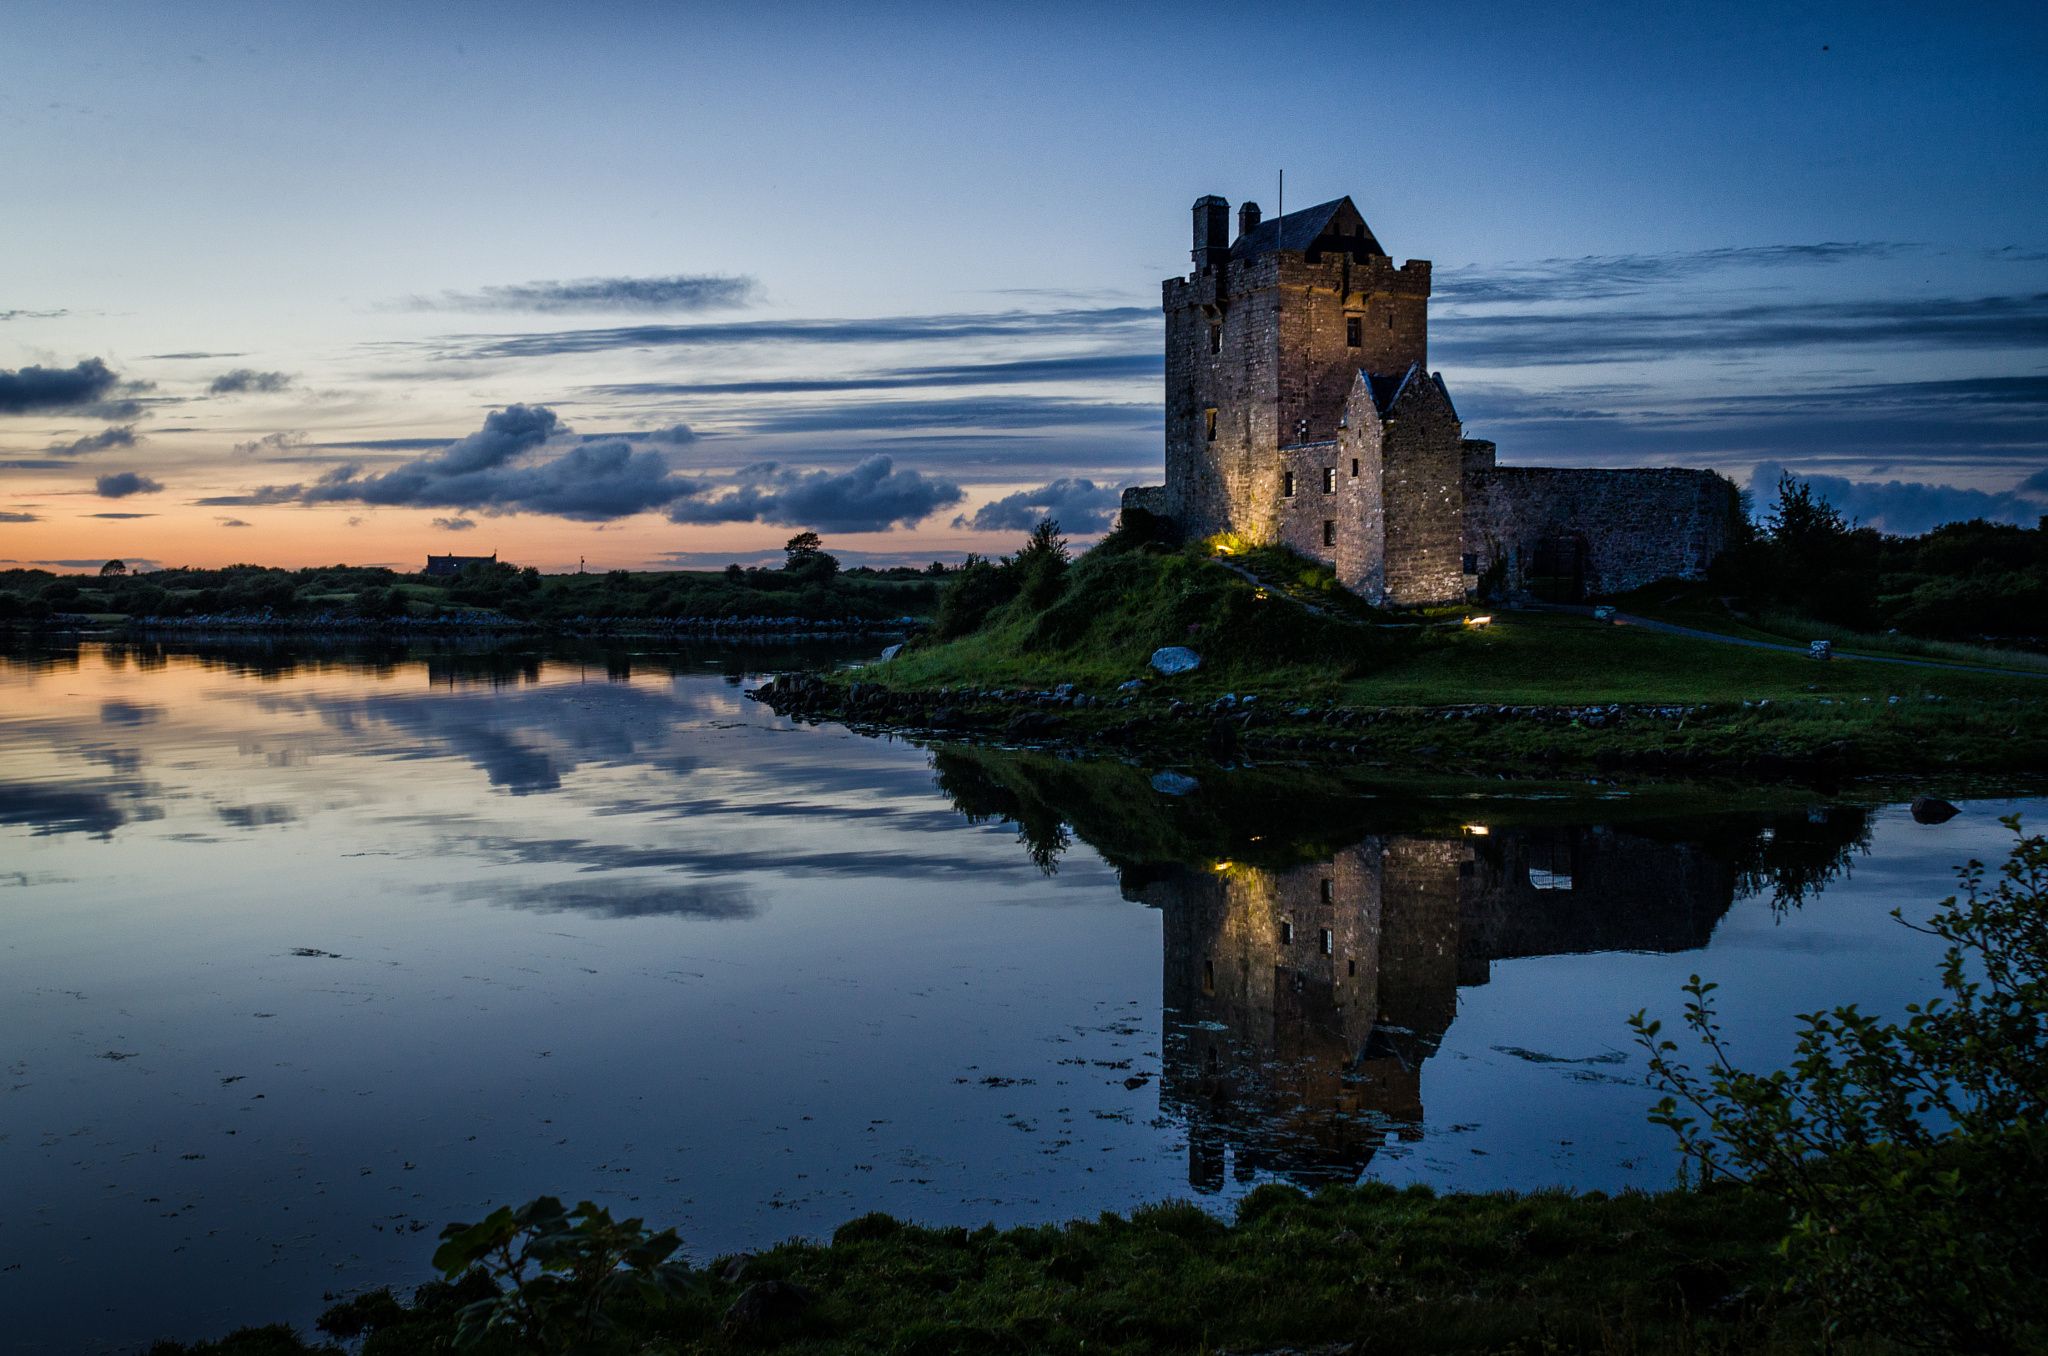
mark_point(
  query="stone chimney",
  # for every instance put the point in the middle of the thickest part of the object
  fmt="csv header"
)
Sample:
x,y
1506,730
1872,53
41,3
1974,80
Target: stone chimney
x,y
1247,219
1212,232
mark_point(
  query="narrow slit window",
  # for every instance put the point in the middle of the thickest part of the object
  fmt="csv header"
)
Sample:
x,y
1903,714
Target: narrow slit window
x,y
1287,484
1329,892
1209,422
1354,468
1354,331
1329,480
1286,933
1329,942
1390,320
1208,976
1471,562
1351,969
1329,531
1215,338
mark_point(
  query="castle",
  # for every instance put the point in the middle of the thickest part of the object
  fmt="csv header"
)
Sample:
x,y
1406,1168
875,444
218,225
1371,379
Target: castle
x,y
1301,411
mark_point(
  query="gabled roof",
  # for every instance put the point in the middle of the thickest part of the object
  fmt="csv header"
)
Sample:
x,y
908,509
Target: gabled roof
x,y
1299,231
1388,387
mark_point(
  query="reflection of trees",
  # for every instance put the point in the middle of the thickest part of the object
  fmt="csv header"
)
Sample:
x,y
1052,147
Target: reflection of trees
x,y
1314,941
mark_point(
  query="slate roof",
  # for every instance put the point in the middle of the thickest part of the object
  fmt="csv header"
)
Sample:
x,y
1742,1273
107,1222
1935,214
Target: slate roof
x,y
1299,231
1388,387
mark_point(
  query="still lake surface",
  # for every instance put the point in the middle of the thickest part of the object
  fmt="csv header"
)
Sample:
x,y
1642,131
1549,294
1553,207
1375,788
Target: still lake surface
x,y
305,952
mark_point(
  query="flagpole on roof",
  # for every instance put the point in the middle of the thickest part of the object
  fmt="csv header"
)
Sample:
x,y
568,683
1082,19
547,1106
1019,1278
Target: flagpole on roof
x,y
1282,206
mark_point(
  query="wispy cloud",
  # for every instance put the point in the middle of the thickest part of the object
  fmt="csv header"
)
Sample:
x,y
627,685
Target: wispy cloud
x,y
286,440
119,436
676,292
248,381
122,516
1746,329
18,314
1598,276
900,329
1094,367
11,516
232,522
455,524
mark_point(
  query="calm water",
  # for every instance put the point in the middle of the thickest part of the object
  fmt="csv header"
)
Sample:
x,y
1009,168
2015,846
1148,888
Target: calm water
x,y
303,955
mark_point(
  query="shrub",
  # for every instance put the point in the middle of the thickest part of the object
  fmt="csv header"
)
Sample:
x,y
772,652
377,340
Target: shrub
x,y
1911,1156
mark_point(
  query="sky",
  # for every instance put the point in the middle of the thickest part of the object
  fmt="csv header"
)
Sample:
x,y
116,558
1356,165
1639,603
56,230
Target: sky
x,y
658,284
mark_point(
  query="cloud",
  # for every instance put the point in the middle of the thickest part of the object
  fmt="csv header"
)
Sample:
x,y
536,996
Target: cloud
x,y
1080,506
122,517
972,412
94,562
1908,508
628,899
256,498
1648,334
675,435
944,328
181,357
248,381
871,497
1598,276
122,435
591,482
121,484
34,389
288,440
9,516
676,292
232,522
455,524
376,444
32,315
1095,367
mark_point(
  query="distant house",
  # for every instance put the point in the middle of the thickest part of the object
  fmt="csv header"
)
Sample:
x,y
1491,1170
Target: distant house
x,y
447,567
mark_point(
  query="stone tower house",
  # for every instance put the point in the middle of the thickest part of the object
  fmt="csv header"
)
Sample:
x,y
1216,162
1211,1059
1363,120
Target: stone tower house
x,y
1300,411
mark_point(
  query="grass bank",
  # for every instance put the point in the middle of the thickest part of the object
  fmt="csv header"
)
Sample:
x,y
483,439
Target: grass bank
x,y
1392,1270
1529,689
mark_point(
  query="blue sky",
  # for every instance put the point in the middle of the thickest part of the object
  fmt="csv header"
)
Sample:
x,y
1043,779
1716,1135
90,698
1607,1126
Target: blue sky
x,y
898,266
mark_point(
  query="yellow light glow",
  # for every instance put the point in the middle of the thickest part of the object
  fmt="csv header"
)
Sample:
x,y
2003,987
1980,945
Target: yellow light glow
x,y
1478,621
1221,867
1476,830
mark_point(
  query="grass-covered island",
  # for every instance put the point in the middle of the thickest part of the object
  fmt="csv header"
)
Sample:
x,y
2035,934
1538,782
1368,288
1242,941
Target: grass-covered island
x,y
1884,1194
1041,648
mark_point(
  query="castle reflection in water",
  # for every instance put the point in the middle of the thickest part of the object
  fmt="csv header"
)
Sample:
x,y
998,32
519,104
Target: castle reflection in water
x,y
1301,1003
1302,1000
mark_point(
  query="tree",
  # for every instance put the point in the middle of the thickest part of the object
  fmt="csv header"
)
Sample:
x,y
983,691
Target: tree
x,y
805,559
113,569
1803,520
1041,565
1912,1156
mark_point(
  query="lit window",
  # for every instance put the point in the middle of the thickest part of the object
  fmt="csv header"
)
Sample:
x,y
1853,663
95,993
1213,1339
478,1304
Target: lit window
x,y
1329,480
1209,419
1287,484
1354,332
1329,943
1286,933
1329,531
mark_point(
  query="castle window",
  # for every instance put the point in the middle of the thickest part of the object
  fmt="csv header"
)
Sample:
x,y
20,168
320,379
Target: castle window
x,y
1286,933
1215,338
1329,943
1354,468
1390,320
1351,969
1208,976
1354,331
1329,480
1209,420
1287,484
1329,531
1329,892
1471,562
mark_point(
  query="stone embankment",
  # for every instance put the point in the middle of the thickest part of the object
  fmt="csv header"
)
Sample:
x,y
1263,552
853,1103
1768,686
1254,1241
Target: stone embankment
x,y
1137,718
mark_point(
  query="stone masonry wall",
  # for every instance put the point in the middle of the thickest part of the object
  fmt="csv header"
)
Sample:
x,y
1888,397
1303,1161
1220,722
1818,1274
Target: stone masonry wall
x,y
1637,526
1424,498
